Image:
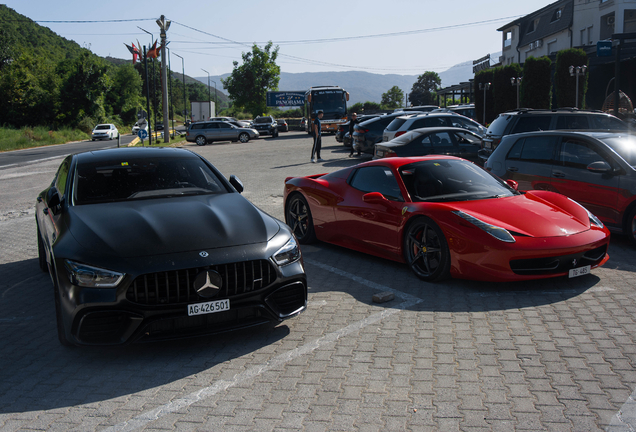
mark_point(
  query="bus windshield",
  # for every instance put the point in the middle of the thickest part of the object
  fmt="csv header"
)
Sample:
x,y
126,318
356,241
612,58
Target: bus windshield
x,y
331,102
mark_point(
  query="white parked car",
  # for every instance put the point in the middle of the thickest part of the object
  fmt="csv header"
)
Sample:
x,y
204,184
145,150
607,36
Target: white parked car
x,y
136,128
105,131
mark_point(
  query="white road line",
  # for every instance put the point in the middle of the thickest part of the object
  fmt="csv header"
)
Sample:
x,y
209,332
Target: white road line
x,y
625,419
219,386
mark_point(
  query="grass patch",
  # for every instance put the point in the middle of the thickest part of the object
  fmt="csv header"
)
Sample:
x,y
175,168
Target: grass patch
x,y
14,139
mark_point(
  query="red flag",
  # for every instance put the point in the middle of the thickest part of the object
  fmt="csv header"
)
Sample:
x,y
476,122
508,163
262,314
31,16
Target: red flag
x,y
134,51
154,51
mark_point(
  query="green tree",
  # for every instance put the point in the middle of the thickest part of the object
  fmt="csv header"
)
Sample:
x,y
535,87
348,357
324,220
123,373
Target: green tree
x,y
248,83
28,92
393,98
536,87
82,94
425,88
503,92
124,97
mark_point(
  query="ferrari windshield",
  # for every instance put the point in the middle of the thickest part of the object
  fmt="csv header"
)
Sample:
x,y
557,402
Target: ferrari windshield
x,y
119,180
451,180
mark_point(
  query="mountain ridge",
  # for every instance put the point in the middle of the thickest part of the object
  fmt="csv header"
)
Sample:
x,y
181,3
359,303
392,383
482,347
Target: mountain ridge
x,y
362,86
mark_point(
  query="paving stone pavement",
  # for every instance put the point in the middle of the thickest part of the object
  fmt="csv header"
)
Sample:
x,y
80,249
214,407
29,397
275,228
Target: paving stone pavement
x,y
554,355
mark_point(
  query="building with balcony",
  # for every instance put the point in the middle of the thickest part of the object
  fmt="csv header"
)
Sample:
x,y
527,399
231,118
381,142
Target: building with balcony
x,y
565,24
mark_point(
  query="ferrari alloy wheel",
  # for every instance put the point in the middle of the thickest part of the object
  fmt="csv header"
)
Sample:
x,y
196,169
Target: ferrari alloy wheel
x,y
426,250
631,226
244,137
41,254
298,217
200,140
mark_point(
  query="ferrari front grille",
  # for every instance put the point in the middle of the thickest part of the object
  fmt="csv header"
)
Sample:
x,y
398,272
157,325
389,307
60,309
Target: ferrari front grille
x,y
558,264
177,286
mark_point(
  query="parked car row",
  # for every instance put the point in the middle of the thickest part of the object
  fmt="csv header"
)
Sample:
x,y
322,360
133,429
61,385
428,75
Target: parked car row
x,y
588,156
384,129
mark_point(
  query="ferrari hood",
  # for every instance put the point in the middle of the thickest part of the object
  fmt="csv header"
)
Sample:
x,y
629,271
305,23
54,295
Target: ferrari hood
x,y
170,225
531,214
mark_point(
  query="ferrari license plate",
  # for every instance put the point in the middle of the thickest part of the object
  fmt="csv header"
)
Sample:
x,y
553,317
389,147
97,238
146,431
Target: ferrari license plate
x,y
208,307
579,271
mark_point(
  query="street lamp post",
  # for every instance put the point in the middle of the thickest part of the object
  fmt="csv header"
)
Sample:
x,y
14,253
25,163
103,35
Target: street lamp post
x,y
484,87
164,25
576,71
209,95
185,110
215,100
516,81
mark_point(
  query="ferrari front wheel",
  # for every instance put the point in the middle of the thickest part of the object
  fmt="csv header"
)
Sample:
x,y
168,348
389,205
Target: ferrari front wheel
x,y
426,250
298,217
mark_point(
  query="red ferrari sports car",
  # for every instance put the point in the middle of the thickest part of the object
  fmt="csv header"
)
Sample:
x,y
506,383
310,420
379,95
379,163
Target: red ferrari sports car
x,y
445,216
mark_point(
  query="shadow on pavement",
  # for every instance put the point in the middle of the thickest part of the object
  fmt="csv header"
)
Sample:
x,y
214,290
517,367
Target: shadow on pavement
x,y
37,373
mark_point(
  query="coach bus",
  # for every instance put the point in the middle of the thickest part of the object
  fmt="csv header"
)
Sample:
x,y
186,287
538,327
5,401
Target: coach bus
x,y
332,100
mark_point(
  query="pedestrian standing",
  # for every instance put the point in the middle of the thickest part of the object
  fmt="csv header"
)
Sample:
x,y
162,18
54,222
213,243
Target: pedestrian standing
x,y
315,150
352,126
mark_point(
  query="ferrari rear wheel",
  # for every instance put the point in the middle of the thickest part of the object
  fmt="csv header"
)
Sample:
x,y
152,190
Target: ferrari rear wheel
x,y
426,250
298,217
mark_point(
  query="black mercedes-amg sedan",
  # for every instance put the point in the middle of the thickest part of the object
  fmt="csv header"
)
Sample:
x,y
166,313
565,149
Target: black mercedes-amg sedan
x,y
154,243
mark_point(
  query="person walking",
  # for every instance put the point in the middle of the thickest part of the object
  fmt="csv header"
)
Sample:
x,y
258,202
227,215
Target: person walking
x,y
352,126
315,150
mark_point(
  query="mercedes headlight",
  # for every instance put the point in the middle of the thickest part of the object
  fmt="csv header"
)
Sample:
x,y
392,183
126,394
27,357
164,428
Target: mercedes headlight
x,y
499,233
288,253
92,277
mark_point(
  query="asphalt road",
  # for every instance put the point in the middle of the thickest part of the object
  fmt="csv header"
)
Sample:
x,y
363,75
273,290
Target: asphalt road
x,y
554,355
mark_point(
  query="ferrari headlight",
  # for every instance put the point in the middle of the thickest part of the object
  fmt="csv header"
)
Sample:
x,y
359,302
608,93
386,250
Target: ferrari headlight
x,y
495,231
593,219
92,277
288,253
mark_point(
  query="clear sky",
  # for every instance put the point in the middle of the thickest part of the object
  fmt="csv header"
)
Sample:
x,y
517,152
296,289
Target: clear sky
x,y
406,37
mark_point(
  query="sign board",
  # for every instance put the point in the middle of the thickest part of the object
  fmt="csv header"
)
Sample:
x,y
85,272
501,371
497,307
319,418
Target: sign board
x,y
285,99
142,134
603,48
481,64
141,114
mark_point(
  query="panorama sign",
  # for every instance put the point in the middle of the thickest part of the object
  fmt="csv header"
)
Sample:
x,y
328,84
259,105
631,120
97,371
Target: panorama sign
x,y
285,98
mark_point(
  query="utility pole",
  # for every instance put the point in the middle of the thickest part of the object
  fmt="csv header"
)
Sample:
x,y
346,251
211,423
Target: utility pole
x,y
164,25
209,96
185,109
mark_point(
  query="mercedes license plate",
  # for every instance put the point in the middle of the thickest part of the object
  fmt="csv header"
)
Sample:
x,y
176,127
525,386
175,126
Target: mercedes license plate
x,y
580,271
208,307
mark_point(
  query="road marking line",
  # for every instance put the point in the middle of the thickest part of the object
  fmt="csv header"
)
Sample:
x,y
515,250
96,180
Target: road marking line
x,y
219,386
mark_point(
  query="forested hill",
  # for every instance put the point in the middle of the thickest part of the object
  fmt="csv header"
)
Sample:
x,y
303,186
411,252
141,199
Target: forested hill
x,y
21,33
47,80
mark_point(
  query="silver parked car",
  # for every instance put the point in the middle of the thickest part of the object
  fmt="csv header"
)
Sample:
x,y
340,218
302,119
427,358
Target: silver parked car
x,y
202,133
408,122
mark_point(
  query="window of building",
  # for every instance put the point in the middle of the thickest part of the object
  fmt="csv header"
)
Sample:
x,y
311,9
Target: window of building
x,y
507,38
629,17
556,15
532,26
589,35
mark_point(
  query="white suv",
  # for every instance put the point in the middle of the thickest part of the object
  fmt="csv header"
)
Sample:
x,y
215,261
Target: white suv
x,y
405,123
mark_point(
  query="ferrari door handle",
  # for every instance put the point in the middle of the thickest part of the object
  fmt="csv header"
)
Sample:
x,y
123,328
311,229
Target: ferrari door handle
x,y
513,169
558,174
